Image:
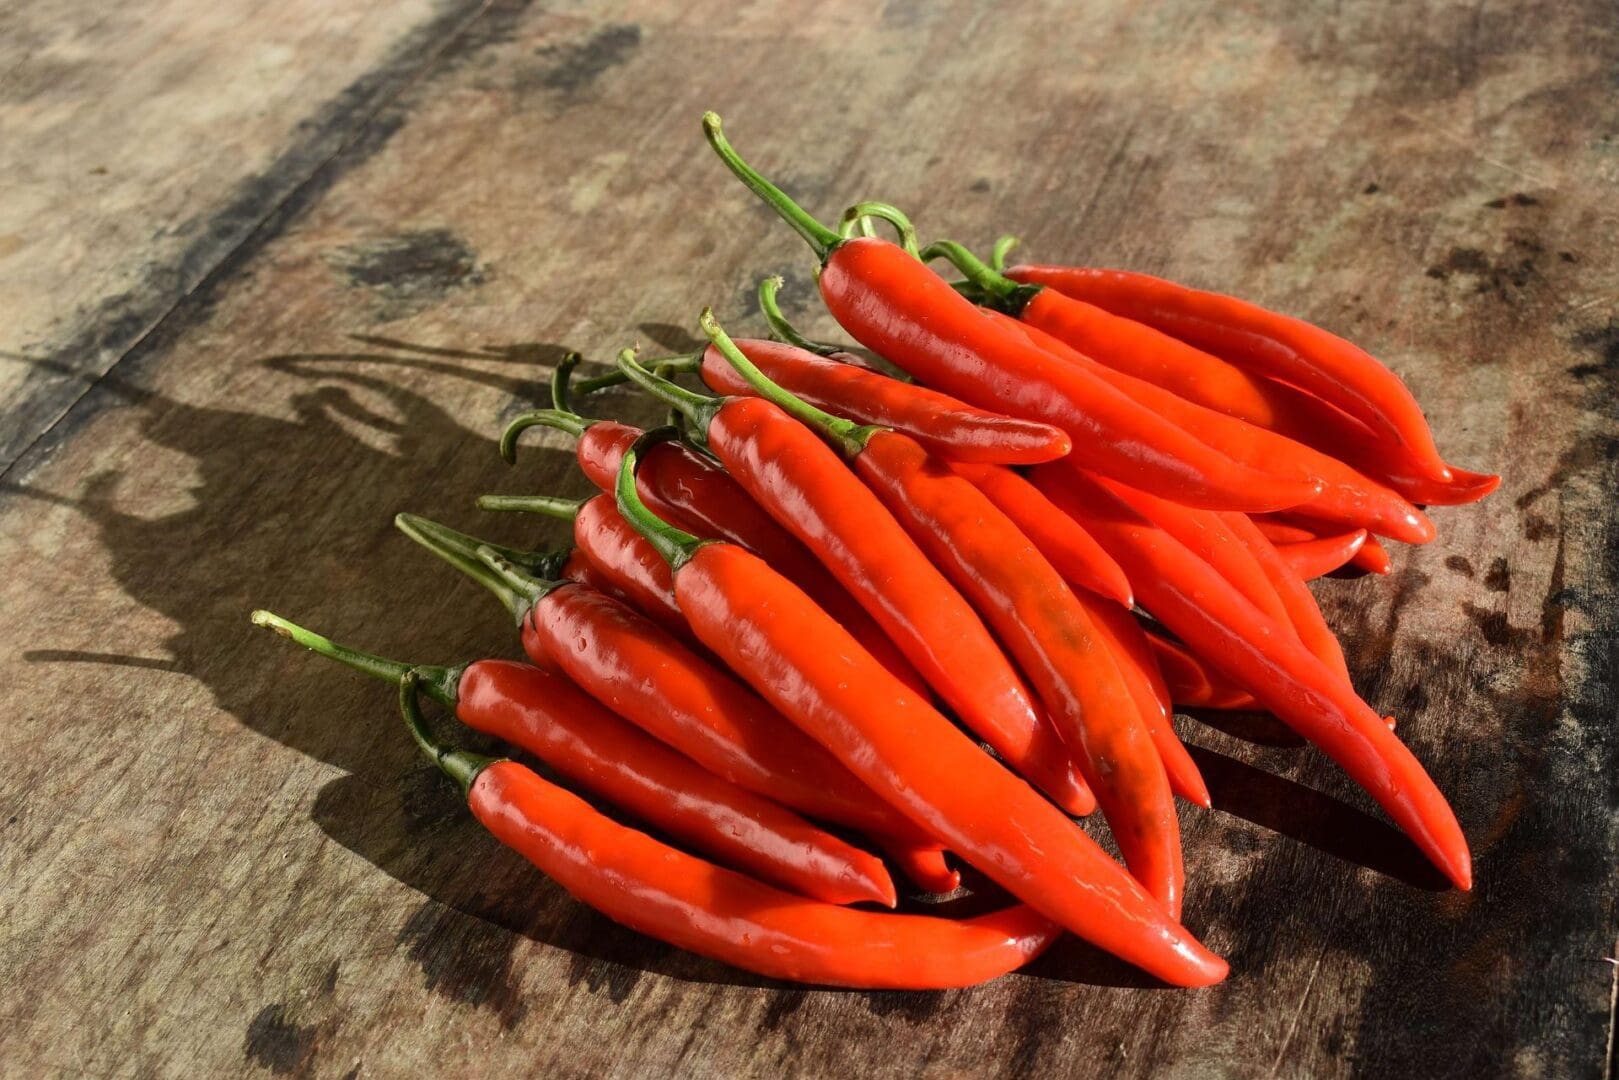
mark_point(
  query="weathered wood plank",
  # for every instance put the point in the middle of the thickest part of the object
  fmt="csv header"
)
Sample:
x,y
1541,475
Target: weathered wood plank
x,y
145,143
221,854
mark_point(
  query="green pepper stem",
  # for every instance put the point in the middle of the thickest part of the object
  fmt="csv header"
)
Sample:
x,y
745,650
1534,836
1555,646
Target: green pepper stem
x,y
999,290
670,365
440,682
509,572
675,545
848,437
780,328
818,236
462,766
698,408
855,218
1003,247
571,422
550,505
461,551
560,378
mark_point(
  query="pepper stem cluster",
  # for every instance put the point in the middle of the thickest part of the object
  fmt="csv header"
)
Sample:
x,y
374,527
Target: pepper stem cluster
x,y
850,438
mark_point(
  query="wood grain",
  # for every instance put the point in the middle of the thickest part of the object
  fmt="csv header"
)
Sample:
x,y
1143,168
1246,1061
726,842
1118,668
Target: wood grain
x,y
221,855
145,144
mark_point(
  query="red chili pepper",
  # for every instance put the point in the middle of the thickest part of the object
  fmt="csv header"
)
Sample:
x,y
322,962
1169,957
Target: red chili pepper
x,y
892,303
695,905
692,491
947,427
1207,536
1372,556
1346,495
1276,345
1465,487
1192,683
816,674
1303,613
1310,559
612,551
802,484
579,568
1128,644
1076,555
1265,658
549,717
1025,601
676,695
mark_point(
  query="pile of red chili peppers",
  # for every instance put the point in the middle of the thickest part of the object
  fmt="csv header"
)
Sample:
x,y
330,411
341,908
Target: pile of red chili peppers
x,y
836,621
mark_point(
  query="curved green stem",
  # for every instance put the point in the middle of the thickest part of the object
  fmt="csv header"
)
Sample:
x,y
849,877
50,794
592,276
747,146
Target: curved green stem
x,y
818,236
698,408
672,365
508,571
675,545
462,766
560,379
441,682
562,420
999,290
550,505
849,438
780,328
461,551
855,217
1003,247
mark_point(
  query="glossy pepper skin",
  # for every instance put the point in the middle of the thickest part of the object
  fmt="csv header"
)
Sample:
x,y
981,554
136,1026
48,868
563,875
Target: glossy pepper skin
x,y
816,674
1303,613
1074,552
683,900
1126,640
893,304
1277,345
901,309
1266,659
1320,556
1372,556
950,428
1206,534
549,717
1139,350
1055,643
692,491
1346,495
1191,682
621,555
678,696
801,483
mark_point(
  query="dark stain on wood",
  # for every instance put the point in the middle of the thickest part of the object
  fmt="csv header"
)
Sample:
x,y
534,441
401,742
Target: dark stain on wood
x,y
571,67
1517,198
410,271
1499,577
355,122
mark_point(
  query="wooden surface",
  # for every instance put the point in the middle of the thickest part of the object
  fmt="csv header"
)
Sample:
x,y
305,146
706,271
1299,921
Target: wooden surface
x,y
221,855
